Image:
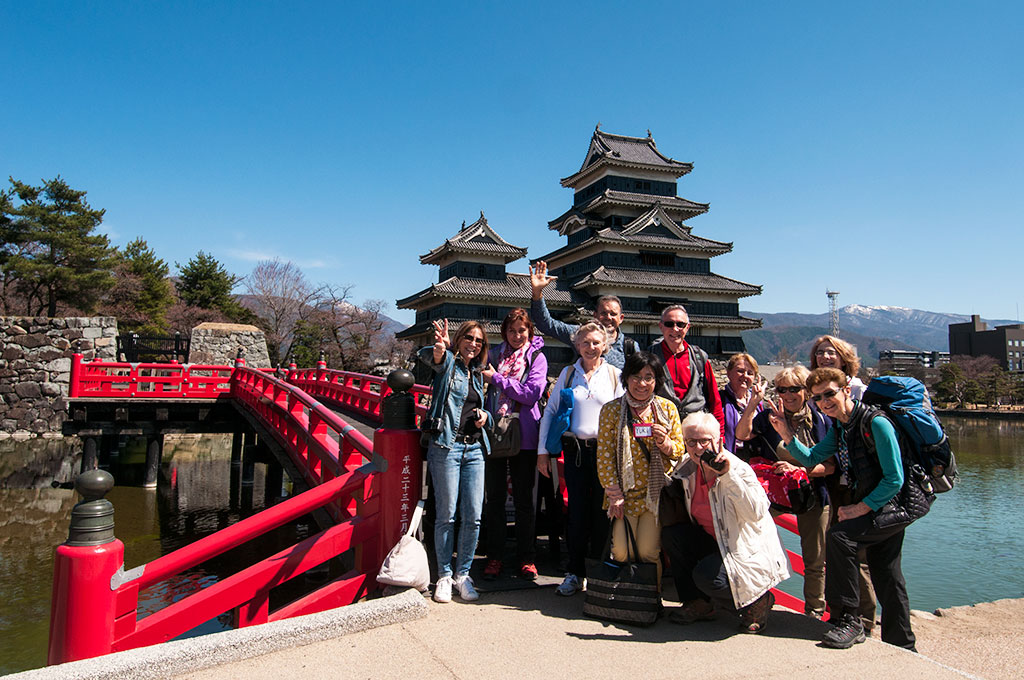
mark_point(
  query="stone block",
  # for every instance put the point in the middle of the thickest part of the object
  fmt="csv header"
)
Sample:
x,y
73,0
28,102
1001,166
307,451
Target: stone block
x,y
92,333
76,322
38,426
110,331
9,425
104,342
31,340
28,390
73,334
61,365
13,352
62,343
50,389
17,330
46,354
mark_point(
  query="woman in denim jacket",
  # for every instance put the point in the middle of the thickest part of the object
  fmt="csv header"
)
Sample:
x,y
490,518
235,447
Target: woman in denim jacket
x,y
458,444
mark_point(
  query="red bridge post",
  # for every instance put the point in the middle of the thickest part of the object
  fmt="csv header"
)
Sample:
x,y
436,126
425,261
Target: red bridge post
x,y
82,608
398,442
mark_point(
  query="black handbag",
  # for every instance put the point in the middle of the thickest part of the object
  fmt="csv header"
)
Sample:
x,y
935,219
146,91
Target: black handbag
x,y
507,436
622,592
911,503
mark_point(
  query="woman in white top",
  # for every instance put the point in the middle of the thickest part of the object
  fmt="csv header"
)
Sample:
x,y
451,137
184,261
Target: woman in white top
x,y
594,382
831,352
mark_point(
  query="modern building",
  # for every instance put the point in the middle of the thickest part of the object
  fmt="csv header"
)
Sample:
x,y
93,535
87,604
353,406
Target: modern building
x,y
626,235
918,364
974,338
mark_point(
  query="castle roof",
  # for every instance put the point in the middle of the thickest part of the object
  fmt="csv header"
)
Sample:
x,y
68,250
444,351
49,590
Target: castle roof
x,y
668,281
514,288
638,153
476,239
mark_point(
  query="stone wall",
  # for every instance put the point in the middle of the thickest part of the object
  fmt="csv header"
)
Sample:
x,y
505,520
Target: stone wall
x,y
218,344
35,366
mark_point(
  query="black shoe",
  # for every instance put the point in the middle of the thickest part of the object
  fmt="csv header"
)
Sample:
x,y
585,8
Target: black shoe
x,y
848,632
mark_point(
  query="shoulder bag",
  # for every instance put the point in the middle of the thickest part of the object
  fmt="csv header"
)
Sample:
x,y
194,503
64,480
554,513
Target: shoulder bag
x,y
623,592
406,565
563,416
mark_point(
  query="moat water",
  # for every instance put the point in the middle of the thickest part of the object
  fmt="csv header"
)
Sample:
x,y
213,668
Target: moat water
x,y
966,550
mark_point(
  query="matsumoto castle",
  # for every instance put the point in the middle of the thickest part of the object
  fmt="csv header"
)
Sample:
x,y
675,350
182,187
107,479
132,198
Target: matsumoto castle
x,y
626,235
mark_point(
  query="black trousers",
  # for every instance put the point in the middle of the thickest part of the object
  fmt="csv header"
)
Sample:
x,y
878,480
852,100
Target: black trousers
x,y
884,549
587,525
697,566
522,469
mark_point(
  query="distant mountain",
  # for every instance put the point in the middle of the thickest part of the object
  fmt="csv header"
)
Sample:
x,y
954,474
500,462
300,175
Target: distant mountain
x,y
871,329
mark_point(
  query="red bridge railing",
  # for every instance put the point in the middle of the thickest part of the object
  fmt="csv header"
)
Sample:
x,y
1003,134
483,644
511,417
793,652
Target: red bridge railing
x,y
368,488
353,391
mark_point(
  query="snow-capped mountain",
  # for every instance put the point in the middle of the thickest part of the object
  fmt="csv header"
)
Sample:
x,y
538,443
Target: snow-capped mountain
x,y
871,328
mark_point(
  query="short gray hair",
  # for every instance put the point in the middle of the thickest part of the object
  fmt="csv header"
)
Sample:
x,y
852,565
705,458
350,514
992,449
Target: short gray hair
x,y
591,326
672,308
705,420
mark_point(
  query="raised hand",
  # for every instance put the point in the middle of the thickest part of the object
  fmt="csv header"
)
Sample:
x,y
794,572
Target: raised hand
x,y
757,391
441,334
539,279
778,420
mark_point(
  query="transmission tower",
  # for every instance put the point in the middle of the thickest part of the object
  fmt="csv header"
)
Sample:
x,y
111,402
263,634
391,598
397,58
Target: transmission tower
x,y
833,313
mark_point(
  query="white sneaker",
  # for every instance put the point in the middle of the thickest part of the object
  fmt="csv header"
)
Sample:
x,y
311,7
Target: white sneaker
x,y
465,586
443,589
569,586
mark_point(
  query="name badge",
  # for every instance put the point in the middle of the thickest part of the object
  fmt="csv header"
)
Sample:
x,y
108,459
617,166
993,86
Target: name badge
x,y
643,430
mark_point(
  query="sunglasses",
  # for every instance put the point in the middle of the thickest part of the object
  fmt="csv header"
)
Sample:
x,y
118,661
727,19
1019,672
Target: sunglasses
x,y
675,324
827,394
474,341
790,390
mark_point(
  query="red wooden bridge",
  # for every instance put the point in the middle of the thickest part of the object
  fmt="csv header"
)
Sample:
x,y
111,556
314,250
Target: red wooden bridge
x,y
367,489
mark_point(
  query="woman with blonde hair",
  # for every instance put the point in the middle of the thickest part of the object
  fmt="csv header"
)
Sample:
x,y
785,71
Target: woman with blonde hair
x,y
742,374
829,351
456,424
593,382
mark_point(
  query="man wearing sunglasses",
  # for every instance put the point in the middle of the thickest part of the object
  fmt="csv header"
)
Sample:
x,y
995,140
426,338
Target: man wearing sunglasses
x,y
689,379
872,473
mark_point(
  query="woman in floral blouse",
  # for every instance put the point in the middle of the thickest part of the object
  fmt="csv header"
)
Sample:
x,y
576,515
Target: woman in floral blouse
x,y
639,437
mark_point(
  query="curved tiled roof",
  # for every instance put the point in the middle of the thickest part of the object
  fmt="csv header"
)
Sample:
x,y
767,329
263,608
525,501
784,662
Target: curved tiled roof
x,y
606,148
514,288
478,238
667,281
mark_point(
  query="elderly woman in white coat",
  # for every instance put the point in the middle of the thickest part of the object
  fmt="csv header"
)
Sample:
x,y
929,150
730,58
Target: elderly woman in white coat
x,y
725,550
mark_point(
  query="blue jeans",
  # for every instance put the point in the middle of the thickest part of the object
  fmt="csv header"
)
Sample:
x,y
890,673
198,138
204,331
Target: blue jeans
x,y
458,477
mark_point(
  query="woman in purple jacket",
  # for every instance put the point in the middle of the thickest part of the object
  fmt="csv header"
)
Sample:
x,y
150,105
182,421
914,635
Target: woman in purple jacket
x,y
517,373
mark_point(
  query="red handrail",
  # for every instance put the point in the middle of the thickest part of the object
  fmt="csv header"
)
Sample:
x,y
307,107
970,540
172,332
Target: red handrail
x,y
118,379
354,391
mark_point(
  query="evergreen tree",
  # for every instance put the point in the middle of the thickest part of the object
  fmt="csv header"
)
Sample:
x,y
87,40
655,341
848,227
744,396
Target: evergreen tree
x,y
51,254
154,298
307,339
204,283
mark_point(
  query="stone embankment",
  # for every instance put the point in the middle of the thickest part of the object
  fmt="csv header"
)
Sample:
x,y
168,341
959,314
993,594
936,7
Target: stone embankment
x,y
35,367
218,344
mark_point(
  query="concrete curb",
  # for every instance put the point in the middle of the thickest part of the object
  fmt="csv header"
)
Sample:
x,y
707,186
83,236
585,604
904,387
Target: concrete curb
x,y
193,654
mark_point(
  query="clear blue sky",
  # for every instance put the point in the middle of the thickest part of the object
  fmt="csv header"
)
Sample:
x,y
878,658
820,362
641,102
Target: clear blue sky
x,y
351,138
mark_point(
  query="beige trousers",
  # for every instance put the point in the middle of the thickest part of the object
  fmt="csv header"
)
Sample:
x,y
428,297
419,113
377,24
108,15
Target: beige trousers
x,y
648,539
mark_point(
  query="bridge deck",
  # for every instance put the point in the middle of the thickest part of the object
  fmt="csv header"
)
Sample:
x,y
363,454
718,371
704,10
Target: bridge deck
x,y
534,633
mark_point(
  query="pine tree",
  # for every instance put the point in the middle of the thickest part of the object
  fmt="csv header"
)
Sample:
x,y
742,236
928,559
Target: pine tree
x,y
52,255
155,296
204,283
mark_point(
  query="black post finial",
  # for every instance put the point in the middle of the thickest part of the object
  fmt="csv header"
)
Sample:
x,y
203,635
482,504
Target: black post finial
x,y
92,519
398,411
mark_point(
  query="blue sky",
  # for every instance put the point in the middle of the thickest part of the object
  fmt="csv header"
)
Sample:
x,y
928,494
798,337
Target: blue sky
x,y
872,148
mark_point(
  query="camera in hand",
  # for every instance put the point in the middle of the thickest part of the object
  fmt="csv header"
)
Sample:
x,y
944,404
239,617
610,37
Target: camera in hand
x,y
708,457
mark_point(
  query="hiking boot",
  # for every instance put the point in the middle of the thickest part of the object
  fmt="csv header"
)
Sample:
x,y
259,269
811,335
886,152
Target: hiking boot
x,y
693,611
848,632
492,570
443,589
754,619
464,584
569,586
528,571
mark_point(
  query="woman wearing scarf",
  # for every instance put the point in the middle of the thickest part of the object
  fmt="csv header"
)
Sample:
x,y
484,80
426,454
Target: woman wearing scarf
x,y
742,372
639,435
517,373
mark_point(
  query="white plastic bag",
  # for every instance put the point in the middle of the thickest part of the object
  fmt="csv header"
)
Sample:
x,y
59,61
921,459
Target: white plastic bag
x,y
406,565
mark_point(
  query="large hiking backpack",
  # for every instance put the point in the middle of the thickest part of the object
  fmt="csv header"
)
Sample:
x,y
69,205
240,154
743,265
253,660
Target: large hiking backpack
x,y
906,402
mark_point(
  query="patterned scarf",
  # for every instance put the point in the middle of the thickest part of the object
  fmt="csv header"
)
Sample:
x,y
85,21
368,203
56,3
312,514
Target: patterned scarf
x,y
802,424
512,366
624,453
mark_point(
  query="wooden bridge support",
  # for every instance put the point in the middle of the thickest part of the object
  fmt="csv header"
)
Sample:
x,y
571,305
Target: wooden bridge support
x,y
154,449
90,454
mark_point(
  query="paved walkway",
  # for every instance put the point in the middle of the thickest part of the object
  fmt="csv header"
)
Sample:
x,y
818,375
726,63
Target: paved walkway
x,y
532,633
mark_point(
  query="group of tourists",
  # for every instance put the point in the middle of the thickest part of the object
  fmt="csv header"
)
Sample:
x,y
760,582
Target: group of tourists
x,y
656,462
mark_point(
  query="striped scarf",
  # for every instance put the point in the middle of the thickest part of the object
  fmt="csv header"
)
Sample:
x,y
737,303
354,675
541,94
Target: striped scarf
x,y
624,452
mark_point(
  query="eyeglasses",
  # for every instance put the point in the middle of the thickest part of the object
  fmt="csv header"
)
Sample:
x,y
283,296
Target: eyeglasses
x,y
790,390
474,341
827,394
703,442
643,381
826,353
675,324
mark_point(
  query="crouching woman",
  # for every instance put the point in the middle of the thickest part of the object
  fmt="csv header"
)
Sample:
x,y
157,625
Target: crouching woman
x,y
456,424
724,548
